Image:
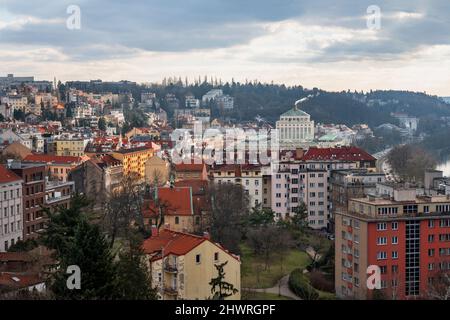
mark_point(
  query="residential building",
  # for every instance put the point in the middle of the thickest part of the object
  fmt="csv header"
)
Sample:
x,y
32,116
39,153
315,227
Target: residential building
x,y
405,235
191,102
303,177
57,167
352,183
247,175
97,178
191,171
68,146
182,265
134,159
156,171
16,150
58,194
172,206
11,208
33,192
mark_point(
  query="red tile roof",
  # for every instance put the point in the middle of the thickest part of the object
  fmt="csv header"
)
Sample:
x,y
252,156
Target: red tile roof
x,y
7,175
19,280
47,158
15,256
175,201
184,167
198,186
176,243
341,153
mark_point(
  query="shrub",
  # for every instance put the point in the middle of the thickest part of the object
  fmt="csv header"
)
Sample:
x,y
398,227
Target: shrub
x,y
320,282
300,286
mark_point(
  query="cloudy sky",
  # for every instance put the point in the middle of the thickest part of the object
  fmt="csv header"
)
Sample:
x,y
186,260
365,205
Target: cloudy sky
x,y
315,43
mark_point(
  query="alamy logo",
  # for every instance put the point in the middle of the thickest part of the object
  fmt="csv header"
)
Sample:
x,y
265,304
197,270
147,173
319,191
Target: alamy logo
x,y
374,17
374,278
73,22
74,280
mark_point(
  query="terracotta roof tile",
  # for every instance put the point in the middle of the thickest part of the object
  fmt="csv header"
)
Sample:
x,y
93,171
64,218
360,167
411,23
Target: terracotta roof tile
x,y
7,175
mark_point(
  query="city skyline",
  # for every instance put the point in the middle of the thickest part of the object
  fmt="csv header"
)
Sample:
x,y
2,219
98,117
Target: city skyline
x,y
308,43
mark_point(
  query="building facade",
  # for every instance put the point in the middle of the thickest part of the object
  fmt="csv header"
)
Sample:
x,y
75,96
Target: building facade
x,y
182,265
11,214
33,193
405,235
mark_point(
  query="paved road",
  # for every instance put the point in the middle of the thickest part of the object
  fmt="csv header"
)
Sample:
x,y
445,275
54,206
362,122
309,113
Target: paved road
x,y
281,288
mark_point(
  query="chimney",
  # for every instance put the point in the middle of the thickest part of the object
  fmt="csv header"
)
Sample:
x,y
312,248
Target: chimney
x,y
155,231
206,235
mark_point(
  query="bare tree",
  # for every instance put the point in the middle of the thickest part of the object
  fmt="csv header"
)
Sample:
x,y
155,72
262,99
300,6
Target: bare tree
x,y
124,208
439,288
229,209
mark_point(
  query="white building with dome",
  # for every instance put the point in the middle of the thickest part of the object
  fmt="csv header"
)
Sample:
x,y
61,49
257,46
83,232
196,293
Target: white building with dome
x,y
295,128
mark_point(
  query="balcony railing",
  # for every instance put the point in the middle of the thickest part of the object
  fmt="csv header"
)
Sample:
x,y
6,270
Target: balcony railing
x,y
171,290
171,268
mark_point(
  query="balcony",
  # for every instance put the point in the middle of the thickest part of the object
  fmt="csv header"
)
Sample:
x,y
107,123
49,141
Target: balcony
x,y
171,290
170,268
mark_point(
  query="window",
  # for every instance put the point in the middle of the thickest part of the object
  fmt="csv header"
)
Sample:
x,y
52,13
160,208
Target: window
x,y
430,223
394,240
430,252
177,220
198,258
394,225
381,241
394,255
431,238
381,226
216,256
381,255
383,269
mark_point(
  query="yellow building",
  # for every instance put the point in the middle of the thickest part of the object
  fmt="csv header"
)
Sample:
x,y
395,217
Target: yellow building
x,y
134,159
156,170
182,265
67,147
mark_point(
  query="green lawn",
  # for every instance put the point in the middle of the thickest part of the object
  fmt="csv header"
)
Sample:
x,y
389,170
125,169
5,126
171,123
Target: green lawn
x,y
293,259
263,296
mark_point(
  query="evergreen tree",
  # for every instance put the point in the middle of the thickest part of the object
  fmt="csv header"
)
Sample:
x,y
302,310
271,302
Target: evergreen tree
x,y
102,124
219,287
77,242
133,278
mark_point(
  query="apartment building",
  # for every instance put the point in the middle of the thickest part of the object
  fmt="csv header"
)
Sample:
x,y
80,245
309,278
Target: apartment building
x,y
63,146
407,236
171,206
352,183
191,171
182,265
97,178
57,167
11,214
134,159
303,176
33,193
247,175
58,194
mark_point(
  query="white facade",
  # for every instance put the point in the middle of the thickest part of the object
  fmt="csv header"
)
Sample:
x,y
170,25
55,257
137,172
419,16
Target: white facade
x,y
249,177
191,102
11,222
307,182
295,128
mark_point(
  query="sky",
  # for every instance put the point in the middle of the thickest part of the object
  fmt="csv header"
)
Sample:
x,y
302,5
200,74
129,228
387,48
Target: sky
x,y
330,44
